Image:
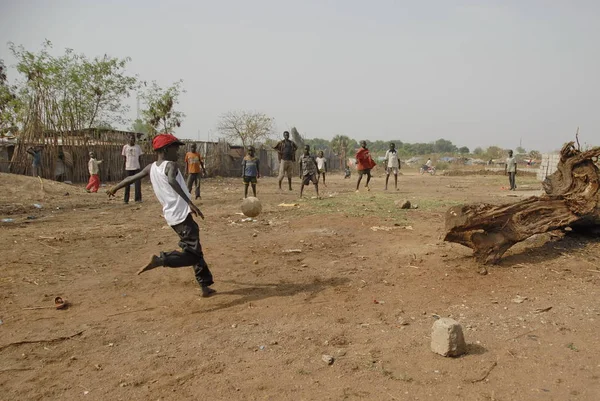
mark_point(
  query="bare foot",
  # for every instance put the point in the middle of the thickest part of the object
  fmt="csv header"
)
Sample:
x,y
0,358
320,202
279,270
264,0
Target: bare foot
x,y
154,263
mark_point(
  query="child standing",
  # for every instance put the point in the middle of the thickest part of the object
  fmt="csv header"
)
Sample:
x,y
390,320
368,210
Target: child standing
x,y
94,182
321,165
171,191
308,171
510,169
250,171
193,163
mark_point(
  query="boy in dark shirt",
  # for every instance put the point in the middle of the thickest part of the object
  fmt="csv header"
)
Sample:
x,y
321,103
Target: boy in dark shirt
x,y
250,171
308,171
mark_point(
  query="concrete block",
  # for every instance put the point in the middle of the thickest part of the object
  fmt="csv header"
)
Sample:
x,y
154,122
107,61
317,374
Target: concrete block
x,y
447,338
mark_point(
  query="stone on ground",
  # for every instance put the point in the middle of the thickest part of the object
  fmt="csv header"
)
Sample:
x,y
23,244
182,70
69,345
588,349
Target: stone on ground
x,y
403,204
447,338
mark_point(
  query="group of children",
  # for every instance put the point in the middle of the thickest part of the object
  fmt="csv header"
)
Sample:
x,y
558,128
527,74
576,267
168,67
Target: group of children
x,y
311,170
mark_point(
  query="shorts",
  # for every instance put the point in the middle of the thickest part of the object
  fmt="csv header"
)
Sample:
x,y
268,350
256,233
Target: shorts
x,y
308,178
322,171
286,167
392,170
366,171
249,179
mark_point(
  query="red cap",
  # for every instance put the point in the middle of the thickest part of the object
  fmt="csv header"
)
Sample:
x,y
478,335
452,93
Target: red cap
x,y
162,140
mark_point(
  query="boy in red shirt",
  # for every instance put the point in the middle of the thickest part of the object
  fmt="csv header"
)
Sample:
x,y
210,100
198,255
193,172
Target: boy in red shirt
x,y
364,164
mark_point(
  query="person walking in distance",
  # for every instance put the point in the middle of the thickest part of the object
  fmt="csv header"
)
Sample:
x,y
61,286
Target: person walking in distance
x,y
286,152
510,169
392,165
193,163
178,210
131,161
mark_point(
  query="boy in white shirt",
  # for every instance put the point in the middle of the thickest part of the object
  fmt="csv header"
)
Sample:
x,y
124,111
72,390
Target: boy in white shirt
x,y
321,165
94,182
171,191
510,169
131,159
392,165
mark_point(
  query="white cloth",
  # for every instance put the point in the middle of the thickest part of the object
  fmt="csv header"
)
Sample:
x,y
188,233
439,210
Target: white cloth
x,y
132,156
175,208
511,165
428,164
321,163
392,159
93,166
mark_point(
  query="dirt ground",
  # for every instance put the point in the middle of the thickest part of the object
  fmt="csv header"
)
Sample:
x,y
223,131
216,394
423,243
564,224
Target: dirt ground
x,y
365,288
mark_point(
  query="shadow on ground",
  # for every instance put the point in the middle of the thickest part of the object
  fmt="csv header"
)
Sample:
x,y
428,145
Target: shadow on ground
x,y
257,292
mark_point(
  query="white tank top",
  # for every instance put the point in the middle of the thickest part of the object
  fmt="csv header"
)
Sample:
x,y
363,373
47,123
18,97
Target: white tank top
x,y
175,208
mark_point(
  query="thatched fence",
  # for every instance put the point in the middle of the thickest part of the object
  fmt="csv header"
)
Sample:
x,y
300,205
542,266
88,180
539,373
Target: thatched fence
x,y
67,153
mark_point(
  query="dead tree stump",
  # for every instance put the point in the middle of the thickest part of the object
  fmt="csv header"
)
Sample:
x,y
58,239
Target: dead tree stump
x,y
572,199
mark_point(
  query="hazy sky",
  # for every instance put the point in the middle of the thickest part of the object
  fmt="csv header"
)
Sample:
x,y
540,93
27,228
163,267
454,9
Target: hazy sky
x,y
475,72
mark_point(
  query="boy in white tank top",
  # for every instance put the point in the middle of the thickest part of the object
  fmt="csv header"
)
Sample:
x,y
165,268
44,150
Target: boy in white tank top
x,y
171,191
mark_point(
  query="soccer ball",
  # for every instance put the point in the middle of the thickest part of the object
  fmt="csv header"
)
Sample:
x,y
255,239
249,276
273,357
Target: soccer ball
x,y
251,207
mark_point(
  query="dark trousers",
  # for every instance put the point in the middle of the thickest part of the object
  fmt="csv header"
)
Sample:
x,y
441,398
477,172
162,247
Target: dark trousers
x,y
189,241
191,179
138,187
511,180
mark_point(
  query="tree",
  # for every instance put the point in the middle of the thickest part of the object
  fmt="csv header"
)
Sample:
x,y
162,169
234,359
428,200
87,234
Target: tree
x,y
142,127
463,150
478,151
9,103
160,112
247,127
494,152
520,150
341,146
444,146
71,92
317,144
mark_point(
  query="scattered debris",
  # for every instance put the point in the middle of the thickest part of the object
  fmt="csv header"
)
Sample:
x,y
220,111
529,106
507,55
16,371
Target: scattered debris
x,y
572,347
486,373
519,299
542,310
289,204
382,228
328,359
37,205
8,220
59,303
50,340
292,251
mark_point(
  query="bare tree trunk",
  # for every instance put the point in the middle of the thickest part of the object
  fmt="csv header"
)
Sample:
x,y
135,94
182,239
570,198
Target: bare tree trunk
x,y
572,199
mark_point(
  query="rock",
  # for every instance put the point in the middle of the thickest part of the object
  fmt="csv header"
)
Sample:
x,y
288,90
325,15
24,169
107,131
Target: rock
x,y
403,204
519,299
328,359
447,338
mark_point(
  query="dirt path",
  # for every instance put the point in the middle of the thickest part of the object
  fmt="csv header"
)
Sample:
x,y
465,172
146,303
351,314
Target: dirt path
x,y
364,288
